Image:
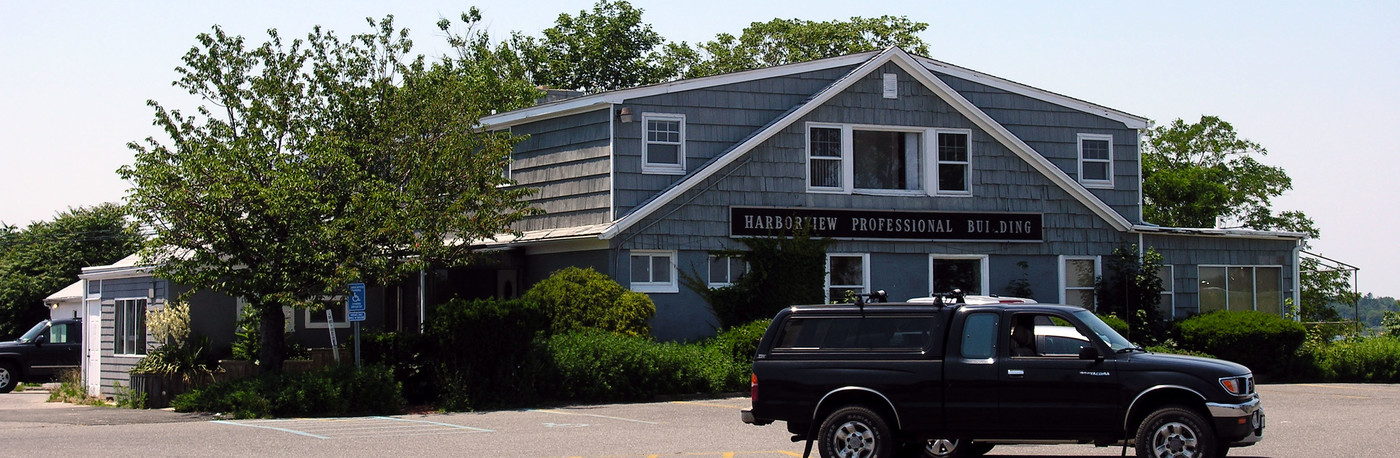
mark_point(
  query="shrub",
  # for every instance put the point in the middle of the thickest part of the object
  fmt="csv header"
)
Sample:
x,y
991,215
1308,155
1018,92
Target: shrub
x,y
1372,359
594,365
783,270
739,344
337,391
1263,342
575,298
484,352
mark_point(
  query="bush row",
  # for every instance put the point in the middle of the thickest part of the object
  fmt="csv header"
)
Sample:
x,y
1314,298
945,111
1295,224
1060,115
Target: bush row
x,y
338,391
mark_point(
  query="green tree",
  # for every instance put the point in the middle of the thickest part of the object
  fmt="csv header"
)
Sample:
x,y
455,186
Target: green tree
x,y
321,162
608,48
786,41
1131,289
47,256
1322,286
1204,175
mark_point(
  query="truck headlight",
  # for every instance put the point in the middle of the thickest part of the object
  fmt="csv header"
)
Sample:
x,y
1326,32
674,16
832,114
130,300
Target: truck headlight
x,y
1242,385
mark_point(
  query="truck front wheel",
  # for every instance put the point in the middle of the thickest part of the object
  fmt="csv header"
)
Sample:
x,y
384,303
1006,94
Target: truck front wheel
x,y
8,377
1176,432
856,432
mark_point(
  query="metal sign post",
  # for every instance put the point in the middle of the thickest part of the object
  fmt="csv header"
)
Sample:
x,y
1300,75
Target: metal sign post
x,y
355,308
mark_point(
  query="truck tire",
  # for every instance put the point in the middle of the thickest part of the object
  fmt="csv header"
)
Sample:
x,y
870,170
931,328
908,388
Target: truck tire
x,y
8,377
855,432
1176,432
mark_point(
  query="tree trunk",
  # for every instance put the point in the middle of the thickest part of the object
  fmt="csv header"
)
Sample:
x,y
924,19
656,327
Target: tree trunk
x,y
270,330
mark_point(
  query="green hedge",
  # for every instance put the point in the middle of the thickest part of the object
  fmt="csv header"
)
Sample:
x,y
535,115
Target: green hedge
x,y
1370,359
593,365
1265,343
336,392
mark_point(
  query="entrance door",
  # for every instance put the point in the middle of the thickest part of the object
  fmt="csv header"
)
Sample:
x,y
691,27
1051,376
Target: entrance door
x,y
507,284
92,346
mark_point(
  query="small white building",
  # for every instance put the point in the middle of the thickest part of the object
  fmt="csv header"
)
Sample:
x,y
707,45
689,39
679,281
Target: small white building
x,y
66,303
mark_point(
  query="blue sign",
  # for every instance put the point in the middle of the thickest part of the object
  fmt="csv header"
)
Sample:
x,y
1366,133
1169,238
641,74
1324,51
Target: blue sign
x,y
355,304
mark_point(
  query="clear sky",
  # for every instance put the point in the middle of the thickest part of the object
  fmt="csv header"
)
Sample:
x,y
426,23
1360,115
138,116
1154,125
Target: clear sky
x,y
1314,82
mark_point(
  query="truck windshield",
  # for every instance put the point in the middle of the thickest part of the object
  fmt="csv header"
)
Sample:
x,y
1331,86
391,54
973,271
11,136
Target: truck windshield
x,y
34,332
1109,336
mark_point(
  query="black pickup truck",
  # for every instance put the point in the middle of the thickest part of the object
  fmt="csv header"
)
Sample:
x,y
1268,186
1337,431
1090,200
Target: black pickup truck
x,y
41,354
935,379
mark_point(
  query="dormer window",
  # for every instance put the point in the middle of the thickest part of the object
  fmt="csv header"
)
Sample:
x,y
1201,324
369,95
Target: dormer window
x,y
663,149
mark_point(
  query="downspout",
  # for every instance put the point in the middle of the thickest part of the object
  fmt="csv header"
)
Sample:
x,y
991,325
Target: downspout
x,y
1297,281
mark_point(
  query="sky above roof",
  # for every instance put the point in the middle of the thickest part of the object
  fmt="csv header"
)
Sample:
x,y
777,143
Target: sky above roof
x,y
1312,82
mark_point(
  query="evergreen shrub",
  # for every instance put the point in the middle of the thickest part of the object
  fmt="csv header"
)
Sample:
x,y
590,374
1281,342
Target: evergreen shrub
x,y
574,298
594,365
1265,343
1370,360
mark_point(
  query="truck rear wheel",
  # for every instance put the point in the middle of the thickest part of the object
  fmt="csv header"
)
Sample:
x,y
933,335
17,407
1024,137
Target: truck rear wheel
x,y
855,432
1176,432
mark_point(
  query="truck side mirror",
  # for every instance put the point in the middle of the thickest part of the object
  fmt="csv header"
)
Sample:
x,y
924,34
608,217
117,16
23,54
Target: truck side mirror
x,y
1090,352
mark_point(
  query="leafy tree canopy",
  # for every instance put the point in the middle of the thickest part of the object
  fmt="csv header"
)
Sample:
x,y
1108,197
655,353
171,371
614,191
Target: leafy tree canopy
x,y
46,256
786,41
608,48
321,162
1203,175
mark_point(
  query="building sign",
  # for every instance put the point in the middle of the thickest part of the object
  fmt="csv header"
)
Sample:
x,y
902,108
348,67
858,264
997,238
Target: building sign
x,y
886,224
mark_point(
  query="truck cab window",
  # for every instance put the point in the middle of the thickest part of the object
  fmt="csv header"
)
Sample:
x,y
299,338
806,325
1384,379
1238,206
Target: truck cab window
x,y
980,336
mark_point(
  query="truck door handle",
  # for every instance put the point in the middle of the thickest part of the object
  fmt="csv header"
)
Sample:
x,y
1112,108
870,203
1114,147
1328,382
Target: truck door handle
x,y
1016,373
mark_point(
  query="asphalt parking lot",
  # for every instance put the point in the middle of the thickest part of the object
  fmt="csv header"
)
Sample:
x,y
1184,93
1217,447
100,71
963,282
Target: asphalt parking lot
x,y
1304,420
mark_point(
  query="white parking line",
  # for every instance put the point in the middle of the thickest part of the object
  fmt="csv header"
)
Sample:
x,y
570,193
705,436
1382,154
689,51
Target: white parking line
x,y
347,428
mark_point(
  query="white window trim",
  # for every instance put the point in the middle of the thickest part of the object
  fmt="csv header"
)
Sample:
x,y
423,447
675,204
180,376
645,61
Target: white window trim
x,y
846,173
864,273
981,258
935,162
672,286
663,169
1169,290
116,337
1060,268
729,273
1079,145
1254,286
926,158
321,315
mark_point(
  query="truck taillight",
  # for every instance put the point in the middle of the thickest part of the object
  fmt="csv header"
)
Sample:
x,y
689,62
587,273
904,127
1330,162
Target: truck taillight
x,y
753,387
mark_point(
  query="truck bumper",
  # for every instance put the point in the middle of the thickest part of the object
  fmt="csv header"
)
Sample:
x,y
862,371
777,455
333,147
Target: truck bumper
x,y
1240,424
747,416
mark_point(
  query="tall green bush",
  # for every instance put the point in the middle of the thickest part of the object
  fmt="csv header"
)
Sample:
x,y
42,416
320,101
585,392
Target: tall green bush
x,y
782,271
1263,342
483,352
335,392
574,298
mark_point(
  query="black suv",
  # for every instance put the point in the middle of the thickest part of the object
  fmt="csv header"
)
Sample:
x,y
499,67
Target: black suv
x,y
955,379
41,354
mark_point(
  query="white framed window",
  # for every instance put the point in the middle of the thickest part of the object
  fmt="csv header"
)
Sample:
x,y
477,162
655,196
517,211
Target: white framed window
x,y
1096,160
846,272
845,158
954,166
1077,277
654,271
1167,305
1239,288
317,319
94,289
663,143
129,327
967,272
726,270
